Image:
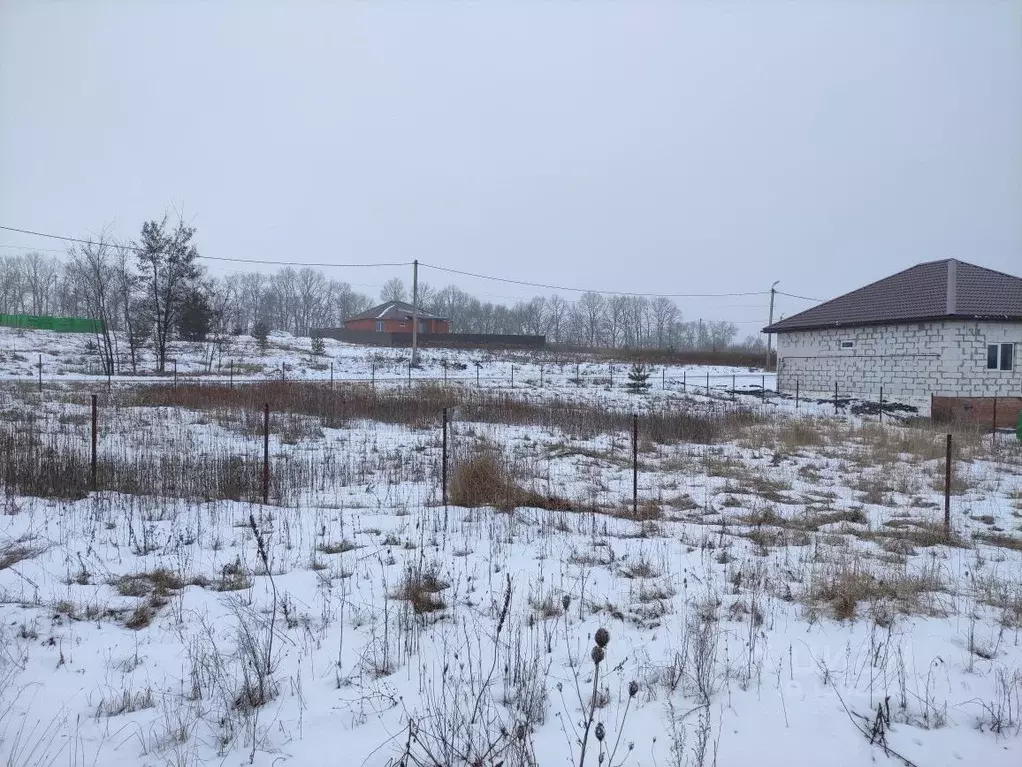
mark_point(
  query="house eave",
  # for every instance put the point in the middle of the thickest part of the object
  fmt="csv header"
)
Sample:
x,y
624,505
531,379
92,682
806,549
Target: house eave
x,y
780,328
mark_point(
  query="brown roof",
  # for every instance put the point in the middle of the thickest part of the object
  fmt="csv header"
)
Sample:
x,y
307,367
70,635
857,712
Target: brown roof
x,y
394,310
931,291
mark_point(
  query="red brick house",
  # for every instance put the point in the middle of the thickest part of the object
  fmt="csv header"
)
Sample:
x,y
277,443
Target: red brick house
x,y
396,317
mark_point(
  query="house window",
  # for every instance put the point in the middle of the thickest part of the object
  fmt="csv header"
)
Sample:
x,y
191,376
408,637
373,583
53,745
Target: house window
x,y
1000,356
379,326
848,344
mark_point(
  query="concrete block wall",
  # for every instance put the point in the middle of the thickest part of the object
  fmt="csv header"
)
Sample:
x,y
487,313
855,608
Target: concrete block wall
x,y
911,362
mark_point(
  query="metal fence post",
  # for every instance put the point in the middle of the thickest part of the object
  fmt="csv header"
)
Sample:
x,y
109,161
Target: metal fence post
x,y
707,383
663,374
541,375
734,386
635,465
95,438
282,372
512,376
40,374
993,424
684,381
175,374
232,374
331,375
762,387
947,490
443,470
881,404
797,382
835,398
266,453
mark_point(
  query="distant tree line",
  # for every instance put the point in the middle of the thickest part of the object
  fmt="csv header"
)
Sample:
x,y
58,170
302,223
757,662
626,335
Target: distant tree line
x,y
154,290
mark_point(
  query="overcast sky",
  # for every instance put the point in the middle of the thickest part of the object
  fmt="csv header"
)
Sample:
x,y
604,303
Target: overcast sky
x,y
675,147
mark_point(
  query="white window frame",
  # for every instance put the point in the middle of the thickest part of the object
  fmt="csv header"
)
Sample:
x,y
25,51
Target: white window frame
x,y
998,356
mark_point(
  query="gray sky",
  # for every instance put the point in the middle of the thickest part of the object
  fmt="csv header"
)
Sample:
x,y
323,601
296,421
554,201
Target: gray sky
x,y
677,147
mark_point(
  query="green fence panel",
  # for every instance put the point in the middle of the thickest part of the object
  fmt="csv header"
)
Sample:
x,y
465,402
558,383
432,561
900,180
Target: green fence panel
x,y
57,324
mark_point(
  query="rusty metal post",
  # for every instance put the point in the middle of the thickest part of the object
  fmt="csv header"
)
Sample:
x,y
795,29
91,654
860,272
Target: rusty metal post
x,y
881,404
266,453
947,490
797,382
635,465
40,374
443,470
95,438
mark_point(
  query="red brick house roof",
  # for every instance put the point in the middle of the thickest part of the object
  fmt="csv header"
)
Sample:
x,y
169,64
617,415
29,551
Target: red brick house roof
x,y
935,290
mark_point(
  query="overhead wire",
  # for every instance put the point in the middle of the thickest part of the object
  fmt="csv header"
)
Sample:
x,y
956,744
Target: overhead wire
x,y
270,262
392,264
567,289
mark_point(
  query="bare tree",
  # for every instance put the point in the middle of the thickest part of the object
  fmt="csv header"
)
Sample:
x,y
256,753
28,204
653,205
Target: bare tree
x,y
11,286
394,290
40,278
311,289
533,315
615,319
557,309
130,308
92,265
721,334
349,302
590,308
167,271
665,314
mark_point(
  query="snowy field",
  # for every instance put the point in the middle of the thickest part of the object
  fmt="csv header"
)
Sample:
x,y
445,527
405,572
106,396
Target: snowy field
x,y
68,357
780,590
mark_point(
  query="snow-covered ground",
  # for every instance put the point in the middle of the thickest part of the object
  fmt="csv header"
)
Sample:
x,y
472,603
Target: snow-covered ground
x,y
784,595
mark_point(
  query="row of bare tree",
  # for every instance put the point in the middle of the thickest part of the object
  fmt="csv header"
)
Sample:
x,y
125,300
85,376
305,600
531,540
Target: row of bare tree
x,y
153,290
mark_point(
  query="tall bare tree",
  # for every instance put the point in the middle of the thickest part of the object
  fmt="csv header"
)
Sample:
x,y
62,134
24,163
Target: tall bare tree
x,y
394,290
92,264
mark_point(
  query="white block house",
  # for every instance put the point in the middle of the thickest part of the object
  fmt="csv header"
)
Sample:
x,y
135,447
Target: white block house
x,y
942,328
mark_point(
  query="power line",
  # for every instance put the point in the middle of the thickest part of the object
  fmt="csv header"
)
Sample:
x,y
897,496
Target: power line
x,y
507,280
587,290
30,247
269,262
804,298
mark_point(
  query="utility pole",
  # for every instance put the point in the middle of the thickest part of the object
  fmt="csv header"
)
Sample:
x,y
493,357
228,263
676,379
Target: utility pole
x,y
769,336
415,312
